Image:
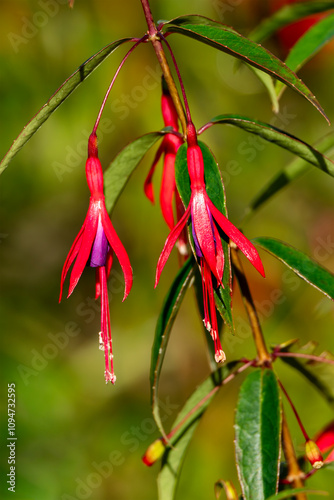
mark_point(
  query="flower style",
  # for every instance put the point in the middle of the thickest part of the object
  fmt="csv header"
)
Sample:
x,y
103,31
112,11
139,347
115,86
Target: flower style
x,y
168,148
208,247
94,247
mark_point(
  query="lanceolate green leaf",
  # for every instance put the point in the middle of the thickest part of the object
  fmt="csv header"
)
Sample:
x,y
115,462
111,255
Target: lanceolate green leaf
x,y
291,172
301,264
164,325
287,15
224,38
257,435
308,45
174,455
215,190
120,169
280,138
58,98
320,374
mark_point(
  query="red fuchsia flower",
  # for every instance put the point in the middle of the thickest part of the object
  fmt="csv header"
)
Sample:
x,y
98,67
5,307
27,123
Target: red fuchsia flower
x,y
168,148
94,247
208,247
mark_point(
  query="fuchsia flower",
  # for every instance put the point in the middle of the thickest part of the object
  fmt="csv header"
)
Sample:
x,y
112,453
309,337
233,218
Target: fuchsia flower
x,y
168,148
94,246
208,247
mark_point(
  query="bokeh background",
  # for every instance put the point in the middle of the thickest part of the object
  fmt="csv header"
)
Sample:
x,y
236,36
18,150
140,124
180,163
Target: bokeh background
x,y
77,437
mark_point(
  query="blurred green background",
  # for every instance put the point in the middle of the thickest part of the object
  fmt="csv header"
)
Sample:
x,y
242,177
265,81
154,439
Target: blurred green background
x,y
78,438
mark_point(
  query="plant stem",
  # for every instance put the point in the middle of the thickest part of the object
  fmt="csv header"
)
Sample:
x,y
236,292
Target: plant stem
x,y
295,475
262,352
157,45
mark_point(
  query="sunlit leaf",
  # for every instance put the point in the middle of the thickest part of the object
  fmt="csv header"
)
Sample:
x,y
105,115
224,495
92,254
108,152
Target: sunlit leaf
x,y
165,322
215,190
309,44
120,169
320,374
175,454
228,40
257,434
287,15
291,172
305,267
280,138
58,98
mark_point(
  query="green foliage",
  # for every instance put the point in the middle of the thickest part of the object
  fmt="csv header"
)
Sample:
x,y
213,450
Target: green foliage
x,y
301,264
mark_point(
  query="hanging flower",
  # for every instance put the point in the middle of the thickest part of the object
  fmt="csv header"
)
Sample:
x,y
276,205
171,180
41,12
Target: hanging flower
x,y
168,149
208,247
94,247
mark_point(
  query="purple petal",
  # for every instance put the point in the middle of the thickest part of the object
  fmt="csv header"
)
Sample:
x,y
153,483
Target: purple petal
x,y
98,256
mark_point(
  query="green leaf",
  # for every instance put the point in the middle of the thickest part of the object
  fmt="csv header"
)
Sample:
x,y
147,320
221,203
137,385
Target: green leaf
x,y
228,40
165,322
257,431
174,455
58,98
291,172
301,264
308,45
215,190
290,493
287,15
280,138
120,169
320,374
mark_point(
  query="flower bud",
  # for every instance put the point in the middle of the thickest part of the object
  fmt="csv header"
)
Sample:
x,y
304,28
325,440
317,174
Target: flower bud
x,y
154,452
313,454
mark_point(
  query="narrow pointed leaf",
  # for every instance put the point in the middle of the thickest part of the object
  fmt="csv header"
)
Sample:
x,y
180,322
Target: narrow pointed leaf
x,y
280,138
120,169
291,493
287,15
174,455
305,267
165,322
58,98
291,172
228,40
321,375
257,435
215,190
308,45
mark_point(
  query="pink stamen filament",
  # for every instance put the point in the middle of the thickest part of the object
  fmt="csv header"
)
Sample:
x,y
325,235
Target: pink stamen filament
x,y
105,327
137,42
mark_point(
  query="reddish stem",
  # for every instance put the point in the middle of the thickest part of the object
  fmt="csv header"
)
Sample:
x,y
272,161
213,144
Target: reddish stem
x,y
305,356
114,78
302,428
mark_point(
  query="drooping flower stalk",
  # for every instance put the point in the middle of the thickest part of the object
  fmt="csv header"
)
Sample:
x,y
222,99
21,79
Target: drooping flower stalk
x,y
205,217
94,247
137,42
